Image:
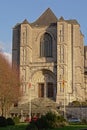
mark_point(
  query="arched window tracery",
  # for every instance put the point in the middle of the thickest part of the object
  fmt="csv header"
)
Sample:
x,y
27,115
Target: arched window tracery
x,y
46,45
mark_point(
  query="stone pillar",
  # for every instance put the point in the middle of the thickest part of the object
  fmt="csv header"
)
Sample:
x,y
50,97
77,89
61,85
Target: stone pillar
x,y
45,85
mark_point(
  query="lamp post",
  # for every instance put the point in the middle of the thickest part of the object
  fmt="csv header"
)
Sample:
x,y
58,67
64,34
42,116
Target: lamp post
x,y
64,106
29,101
63,82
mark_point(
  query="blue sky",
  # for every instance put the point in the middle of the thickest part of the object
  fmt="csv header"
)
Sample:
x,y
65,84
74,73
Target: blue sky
x,y
15,11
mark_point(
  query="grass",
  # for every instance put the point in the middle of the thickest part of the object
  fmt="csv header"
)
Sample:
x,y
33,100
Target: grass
x,y
74,127
23,127
16,127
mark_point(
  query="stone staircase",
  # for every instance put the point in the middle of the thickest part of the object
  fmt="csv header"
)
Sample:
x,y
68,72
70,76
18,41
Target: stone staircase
x,y
38,105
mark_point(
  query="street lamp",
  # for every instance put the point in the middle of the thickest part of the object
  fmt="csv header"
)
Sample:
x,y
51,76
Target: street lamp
x,y
29,101
63,82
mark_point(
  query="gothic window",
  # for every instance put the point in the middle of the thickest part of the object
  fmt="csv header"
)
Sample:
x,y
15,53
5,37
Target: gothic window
x,y
62,54
23,38
61,72
23,55
61,33
46,45
61,87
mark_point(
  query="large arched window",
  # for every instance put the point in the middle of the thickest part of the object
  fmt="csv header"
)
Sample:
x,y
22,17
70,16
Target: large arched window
x,y
46,45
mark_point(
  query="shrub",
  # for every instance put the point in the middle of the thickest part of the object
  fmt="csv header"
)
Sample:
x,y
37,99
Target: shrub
x,y
31,126
75,103
10,121
3,121
54,120
42,123
51,116
84,103
60,118
50,120
84,121
16,120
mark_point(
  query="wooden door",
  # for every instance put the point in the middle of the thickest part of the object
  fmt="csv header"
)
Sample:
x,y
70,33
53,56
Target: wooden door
x,y
41,90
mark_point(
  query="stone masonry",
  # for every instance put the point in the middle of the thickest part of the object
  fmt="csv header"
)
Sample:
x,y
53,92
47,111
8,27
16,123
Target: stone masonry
x,y
54,69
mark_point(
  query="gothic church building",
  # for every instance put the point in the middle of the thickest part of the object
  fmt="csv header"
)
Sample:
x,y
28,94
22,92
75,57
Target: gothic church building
x,y
49,54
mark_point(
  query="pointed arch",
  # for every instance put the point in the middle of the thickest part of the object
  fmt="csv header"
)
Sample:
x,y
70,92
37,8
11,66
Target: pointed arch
x,y
46,45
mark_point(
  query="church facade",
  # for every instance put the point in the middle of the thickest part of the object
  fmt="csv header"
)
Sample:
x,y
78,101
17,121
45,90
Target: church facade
x,y
50,56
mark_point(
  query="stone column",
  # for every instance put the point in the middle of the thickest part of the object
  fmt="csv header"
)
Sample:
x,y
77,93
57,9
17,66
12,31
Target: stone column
x,y
45,86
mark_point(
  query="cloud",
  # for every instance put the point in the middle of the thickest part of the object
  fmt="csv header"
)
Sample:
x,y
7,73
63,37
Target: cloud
x,y
5,46
2,44
8,56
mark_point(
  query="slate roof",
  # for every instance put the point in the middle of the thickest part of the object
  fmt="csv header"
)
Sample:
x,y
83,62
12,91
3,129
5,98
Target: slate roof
x,y
25,22
61,19
72,21
47,18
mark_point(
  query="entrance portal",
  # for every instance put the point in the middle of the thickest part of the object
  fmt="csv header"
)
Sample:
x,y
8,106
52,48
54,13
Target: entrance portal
x,y
49,90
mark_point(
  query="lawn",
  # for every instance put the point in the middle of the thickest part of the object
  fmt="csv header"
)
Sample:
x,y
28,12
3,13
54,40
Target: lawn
x,y
74,127
17,127
23,127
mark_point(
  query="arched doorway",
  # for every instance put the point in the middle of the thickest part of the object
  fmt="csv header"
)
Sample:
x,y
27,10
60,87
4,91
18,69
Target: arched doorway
x,y
49,86
45,84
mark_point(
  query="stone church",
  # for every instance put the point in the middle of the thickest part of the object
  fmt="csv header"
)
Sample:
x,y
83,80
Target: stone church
x,y
51,58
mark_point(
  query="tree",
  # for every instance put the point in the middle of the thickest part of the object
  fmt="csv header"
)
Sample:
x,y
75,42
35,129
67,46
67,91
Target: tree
x,y
9,85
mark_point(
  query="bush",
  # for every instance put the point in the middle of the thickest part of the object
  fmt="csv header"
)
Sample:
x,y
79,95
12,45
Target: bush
x,y
10,121
48,121
16,120
51,119
84,121
42,123
31,126
75,104
54,120
3,121
60,118
51,116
